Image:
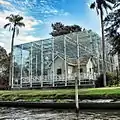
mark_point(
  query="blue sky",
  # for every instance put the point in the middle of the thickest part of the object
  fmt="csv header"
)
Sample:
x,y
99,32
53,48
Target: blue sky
x,y
39,14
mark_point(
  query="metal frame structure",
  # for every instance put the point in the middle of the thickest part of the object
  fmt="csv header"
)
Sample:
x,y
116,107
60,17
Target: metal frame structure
x,y
36,64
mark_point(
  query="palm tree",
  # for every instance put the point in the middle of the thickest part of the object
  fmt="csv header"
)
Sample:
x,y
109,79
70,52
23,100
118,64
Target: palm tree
x,y
100,5
14,24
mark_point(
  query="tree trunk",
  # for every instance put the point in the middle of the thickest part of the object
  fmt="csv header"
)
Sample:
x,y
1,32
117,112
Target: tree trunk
x,y
11,60
103,49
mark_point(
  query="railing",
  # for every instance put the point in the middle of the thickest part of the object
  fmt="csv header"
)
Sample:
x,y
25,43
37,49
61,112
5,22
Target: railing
x,y
85,78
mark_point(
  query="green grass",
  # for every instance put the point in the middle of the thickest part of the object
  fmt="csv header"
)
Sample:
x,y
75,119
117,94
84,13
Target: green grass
x,y
37,95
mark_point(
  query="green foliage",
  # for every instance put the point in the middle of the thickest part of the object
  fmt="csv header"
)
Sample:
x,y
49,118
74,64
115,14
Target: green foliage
x,y
112,79
4,65
14,20
61,29
112,23
102,4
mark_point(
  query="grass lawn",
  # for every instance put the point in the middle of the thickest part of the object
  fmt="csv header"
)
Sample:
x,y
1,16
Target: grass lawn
x,y
37,95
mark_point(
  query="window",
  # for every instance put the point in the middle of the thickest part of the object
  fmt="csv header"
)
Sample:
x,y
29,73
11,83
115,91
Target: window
x,y
59,71
90,69
81,70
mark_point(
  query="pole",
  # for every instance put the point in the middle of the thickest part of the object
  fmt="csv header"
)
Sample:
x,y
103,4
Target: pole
x,y
65,63
77,78
21,67
12,72
76,95
36,66
53,71
31,66
42,63
78,61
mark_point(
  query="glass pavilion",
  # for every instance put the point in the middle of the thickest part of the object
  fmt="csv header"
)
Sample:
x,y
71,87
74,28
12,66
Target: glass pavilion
x,y
31,59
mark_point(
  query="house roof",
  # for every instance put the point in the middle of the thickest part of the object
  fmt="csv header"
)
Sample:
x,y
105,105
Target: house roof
x,y
73,61
83,60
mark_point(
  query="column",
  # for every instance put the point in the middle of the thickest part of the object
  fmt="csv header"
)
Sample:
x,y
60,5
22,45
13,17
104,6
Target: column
x,y
29,68
36,66
53,71
31,65
42,63
78,61
21,77
12,71
65,63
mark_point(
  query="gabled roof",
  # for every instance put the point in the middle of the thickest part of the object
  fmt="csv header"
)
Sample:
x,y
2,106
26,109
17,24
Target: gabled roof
x,y
72,61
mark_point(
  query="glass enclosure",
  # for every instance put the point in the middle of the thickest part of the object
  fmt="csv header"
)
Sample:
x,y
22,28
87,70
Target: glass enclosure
x,y
36,63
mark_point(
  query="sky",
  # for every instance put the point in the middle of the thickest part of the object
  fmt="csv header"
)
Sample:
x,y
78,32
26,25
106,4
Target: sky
x,y
40,14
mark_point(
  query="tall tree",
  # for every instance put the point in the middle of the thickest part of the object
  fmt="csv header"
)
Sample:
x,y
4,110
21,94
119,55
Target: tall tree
x,y
61,29
15,21
4,67
112,23
100,5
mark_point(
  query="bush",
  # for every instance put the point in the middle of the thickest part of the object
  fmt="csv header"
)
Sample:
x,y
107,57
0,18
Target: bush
x,y
111,79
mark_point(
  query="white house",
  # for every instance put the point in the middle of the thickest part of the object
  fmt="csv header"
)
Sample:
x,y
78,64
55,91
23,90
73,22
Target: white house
x,y
87,68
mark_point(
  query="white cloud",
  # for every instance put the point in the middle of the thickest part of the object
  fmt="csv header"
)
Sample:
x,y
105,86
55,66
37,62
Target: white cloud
x,y
5,35
2,44
25,39
3,2
28,20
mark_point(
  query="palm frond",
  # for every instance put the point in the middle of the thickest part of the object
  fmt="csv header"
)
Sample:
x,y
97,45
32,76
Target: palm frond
x,y
20,24
116,4
97,10
17,31
11,15
10,19
111,1
8,24
10,28
19,18
106,5
92,6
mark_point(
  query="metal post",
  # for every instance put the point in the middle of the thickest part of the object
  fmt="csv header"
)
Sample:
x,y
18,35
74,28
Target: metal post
x,y
42,63
31,66
98,59
36,66
21,66
12,72
53,72
91,43
110,64
78,61
76,95
77,78
65,63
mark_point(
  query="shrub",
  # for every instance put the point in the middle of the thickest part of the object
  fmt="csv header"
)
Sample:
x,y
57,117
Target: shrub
x,y
111,79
